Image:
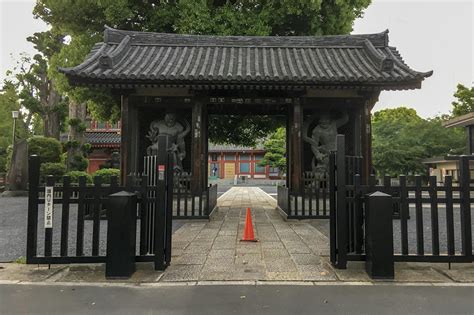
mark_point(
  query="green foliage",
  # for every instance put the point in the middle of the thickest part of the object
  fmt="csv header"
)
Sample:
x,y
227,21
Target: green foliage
x,y
74,175
48,149
20,260
84,21
56,169
9,102
71,144
77,124
401,140
79,163
36,89
106,174
275,146
246,130
86,148
74,122
465,100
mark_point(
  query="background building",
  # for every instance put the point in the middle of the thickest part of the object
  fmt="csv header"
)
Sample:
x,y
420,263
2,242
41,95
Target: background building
x,y
448,165
104,138
226,161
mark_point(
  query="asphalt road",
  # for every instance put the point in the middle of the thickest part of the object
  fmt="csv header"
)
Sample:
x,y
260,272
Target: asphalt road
x,y
236,299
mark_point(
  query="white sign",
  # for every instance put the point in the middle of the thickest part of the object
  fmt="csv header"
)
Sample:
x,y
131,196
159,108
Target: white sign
x,y
161,172
48,207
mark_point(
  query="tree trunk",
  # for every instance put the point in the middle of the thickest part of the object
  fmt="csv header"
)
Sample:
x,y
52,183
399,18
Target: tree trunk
x,y
51,125
50,100
76,134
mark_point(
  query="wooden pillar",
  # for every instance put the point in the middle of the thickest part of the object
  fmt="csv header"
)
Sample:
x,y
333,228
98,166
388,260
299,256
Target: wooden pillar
x,y
129,134
125,135
205,142
199,162
295,146
366,130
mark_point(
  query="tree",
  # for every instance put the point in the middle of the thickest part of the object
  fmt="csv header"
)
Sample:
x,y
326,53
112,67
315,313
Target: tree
x,y
85,19
401,140
465,101
78,98
37,91
9,102
275,147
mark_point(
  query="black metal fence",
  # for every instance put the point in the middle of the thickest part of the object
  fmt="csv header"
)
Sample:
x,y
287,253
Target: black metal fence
x,y
431,223
313,201
75,239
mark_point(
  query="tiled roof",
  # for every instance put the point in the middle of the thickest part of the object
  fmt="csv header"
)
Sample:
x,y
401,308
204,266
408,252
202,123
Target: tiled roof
x,y
101,139
149,59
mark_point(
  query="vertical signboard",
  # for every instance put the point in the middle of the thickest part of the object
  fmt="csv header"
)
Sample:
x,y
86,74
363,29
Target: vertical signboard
x,y
48,207
161,172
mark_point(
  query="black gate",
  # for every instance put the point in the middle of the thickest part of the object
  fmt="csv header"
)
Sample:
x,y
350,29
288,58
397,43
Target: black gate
x,y
431,223
83,239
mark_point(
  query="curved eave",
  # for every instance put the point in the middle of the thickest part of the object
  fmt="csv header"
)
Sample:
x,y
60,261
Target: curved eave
x,y
252,85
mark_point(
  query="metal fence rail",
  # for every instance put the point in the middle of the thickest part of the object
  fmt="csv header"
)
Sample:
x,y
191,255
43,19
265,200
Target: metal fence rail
x,y
313,201
431,223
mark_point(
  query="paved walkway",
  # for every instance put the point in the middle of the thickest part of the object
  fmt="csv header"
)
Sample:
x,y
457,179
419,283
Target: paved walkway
x,y
213,250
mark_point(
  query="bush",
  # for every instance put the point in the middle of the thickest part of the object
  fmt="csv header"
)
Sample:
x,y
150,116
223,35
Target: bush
x,y
56,169
3,160
79,163
48,149
76,174
106,174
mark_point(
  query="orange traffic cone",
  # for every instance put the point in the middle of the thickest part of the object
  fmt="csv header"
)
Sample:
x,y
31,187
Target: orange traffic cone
x,y
248,229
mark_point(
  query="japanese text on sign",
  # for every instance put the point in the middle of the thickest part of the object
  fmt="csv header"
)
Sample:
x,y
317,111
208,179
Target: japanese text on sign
x,y
48,207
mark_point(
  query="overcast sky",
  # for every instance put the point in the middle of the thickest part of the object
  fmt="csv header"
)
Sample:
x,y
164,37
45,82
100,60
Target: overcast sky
x,y
431,35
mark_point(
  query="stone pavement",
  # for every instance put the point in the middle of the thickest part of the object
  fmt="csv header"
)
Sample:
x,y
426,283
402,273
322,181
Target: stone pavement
x,y
211,252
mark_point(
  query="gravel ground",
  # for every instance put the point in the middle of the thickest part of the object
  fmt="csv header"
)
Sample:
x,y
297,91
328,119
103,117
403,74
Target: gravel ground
x,y
13,223
13,214
427,230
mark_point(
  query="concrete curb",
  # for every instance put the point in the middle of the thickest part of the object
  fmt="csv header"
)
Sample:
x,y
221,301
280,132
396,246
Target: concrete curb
x,y
232,283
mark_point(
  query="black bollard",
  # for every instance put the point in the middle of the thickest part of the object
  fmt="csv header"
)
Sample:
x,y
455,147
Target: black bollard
x,y
121,234
379,262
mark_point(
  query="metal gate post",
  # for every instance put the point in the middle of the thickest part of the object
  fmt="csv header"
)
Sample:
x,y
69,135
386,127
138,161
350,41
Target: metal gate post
x,y
160,208
169,208
332,208
466,229
341,212
164,203
32,230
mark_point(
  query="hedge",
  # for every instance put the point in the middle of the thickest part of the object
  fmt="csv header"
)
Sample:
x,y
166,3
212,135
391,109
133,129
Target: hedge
x,y
48,149
56,169
74,175
106,174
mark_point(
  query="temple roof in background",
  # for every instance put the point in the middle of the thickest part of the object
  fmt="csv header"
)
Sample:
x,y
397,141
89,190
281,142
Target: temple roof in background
x,y
103,139
130,59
